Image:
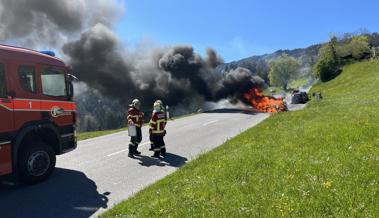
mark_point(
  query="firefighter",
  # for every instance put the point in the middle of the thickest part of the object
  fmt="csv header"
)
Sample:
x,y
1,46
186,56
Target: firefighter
x,y
163,111
135,117
157,130
161,103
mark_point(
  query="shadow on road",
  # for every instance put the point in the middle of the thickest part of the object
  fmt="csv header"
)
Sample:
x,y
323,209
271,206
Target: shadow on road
x,y
170,160
234,110
147,161
67,193
174,160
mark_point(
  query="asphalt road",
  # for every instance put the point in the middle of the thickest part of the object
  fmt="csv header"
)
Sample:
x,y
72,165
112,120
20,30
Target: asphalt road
x,y
98,174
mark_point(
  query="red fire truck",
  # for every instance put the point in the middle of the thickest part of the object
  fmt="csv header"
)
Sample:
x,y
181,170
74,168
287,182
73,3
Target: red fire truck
x,y
37,114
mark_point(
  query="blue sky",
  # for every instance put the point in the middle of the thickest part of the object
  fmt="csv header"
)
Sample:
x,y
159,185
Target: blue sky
x,y
238,28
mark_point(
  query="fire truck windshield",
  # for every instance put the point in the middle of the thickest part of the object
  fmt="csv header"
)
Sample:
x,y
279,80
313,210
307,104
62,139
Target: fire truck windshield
x,y
53,82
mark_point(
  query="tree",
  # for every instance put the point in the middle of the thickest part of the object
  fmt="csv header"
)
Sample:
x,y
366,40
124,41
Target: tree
x,y
354,48
333,49
359,47
373,39
327,65
283,70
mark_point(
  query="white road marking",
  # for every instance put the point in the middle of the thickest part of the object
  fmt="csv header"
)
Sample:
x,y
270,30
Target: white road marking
x,y
119,152
210,122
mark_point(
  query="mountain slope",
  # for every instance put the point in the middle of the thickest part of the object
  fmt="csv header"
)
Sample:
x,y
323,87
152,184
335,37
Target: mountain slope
x,y
259,64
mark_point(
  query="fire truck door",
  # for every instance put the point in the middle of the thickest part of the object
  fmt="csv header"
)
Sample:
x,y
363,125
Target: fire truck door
x,y
6,124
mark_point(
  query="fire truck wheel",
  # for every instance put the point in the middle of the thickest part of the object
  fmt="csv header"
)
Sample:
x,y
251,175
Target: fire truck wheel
x,y
36,163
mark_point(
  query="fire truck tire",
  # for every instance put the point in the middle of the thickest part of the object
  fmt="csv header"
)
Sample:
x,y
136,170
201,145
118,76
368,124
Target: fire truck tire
x,y
36,163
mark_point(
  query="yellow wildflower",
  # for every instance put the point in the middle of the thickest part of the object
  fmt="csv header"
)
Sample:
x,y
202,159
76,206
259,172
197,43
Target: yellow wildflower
x,y
327,184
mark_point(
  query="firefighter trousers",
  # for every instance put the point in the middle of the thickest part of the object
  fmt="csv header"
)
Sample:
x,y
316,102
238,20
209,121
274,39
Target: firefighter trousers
x,y
158,144
134,141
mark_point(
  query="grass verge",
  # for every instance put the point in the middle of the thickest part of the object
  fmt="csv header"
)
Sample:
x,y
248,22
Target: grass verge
x,y
322,161
93,134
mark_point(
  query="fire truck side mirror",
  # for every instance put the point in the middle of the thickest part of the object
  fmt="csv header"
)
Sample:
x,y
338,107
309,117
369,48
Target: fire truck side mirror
x,y
70,85
70,90
71,77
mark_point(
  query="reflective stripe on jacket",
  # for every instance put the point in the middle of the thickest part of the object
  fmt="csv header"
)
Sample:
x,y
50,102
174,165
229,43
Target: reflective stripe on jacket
x,y
136,116
158,123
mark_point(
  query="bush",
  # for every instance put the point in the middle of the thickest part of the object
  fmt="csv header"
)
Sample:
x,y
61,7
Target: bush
x,y
327,66
357,48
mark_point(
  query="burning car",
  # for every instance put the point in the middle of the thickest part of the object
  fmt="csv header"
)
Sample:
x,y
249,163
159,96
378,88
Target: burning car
x,y
264,103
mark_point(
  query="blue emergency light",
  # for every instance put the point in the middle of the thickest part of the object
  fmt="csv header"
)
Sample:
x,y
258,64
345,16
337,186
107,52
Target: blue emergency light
x,y
50,53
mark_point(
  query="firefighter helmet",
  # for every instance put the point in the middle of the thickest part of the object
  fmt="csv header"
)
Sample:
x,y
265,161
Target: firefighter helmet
x,y
135,102
159,102
157,106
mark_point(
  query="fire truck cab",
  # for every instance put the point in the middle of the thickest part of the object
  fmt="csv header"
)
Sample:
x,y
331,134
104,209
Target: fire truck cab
x,y
37,114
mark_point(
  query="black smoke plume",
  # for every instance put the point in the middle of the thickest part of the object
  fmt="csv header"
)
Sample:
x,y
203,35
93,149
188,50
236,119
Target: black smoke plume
x,y
175,75
48,23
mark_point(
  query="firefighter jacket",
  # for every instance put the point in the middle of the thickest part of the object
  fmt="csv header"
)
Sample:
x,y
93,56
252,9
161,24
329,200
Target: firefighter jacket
x,y
158,123
136,116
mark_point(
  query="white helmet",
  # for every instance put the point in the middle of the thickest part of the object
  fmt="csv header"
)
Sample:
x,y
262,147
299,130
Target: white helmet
x,y
135,102
157,106
159,102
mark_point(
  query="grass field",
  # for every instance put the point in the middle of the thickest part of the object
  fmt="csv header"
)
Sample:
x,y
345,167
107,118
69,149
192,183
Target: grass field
x,y
322,161
298,83
93,134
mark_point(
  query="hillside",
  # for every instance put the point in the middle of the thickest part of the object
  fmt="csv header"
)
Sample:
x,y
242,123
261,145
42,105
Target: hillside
x,y
307,57
259,64
319,162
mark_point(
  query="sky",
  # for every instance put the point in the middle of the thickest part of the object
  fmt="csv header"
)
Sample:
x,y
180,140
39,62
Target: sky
x,y
242,28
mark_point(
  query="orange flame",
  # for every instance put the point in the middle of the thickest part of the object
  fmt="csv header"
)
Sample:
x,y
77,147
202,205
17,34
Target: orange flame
x,y
264,103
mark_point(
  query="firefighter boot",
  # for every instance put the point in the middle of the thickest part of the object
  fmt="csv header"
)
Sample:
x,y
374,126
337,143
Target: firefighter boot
x,y
136,152
156,154
131,151
151,143
163,151
151,147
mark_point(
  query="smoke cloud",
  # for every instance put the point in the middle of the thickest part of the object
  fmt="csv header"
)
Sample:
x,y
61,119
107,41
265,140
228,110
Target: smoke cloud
x,y
174,74
38,23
